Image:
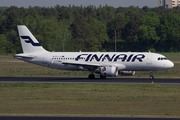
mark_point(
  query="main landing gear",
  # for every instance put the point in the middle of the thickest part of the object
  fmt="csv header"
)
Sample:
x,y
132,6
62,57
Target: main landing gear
x,y
102,76
91,76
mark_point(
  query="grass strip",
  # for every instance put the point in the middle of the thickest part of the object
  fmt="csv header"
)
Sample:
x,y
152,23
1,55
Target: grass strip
x,y
89,100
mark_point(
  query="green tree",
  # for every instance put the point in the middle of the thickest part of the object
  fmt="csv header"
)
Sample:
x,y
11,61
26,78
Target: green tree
x,y
147,31
98,35
11,18
169,32
48,34
67,44
117,24
3,44
130,32
80,32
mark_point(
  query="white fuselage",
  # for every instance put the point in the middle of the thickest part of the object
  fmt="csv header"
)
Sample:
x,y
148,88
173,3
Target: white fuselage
x,y
126,61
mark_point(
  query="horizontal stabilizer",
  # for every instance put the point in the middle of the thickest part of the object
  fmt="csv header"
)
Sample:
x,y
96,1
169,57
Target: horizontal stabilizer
x,y
23,56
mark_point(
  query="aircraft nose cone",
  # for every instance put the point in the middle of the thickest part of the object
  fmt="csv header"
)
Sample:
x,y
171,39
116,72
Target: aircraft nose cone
x,y
170,64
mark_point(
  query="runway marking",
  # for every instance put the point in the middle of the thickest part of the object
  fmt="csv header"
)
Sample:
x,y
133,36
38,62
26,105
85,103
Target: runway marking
x,y
71,80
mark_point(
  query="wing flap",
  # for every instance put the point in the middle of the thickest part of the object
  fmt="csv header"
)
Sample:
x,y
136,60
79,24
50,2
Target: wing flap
x,y
82,64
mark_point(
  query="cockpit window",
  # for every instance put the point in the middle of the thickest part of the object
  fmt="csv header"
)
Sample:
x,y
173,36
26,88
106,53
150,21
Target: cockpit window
x,y
162,58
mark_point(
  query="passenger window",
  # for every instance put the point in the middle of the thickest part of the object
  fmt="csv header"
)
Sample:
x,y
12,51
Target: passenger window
x,y
158,58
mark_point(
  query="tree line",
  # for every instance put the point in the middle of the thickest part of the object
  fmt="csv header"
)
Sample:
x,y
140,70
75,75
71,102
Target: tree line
x,y
74,28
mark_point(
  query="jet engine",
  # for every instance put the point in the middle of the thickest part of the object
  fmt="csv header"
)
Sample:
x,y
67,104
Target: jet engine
x,y
127,73
111,71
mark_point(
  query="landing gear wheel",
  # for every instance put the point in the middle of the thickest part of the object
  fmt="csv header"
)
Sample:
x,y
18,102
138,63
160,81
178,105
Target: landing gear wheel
x,y
151,77
91,76
102,77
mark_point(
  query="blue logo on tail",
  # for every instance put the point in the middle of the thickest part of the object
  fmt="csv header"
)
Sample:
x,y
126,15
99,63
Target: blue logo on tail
x,y
29,40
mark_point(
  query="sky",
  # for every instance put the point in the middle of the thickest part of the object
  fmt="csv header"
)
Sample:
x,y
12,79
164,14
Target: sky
x,y
52,3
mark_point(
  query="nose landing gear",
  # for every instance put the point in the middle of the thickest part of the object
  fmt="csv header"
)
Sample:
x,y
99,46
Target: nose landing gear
x,y
151,76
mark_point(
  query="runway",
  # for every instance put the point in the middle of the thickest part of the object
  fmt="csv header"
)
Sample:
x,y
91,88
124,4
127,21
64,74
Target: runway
x,y
80,118
81,80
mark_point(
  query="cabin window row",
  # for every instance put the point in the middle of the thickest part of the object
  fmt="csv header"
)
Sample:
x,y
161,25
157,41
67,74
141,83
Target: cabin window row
x,y
63,58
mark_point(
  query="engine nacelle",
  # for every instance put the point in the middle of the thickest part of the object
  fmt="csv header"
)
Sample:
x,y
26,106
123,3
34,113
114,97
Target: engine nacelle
x,y
127,73
109,71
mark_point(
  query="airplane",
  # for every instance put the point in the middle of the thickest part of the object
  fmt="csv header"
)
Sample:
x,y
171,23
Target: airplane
x,y
107,64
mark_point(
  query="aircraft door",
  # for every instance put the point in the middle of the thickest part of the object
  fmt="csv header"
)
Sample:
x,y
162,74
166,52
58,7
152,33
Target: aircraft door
x,y
149,59
45,59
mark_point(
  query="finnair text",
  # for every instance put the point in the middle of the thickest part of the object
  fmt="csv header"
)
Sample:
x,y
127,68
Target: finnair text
x,y
113,58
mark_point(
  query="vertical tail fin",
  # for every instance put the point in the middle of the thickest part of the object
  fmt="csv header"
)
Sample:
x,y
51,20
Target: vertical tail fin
x,y
28,41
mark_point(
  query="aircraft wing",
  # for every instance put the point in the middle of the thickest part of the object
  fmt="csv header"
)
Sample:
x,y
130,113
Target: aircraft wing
x,y
93,65
83,64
